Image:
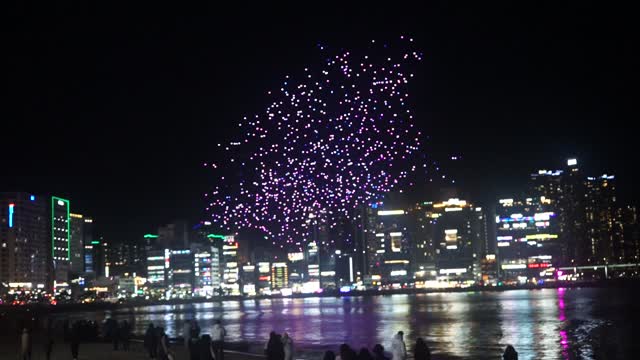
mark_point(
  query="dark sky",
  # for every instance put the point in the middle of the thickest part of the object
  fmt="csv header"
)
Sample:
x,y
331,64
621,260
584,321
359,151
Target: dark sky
x,y
116,108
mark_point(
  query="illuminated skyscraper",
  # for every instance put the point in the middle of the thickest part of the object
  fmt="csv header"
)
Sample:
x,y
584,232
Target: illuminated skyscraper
x,y
454,234
24,240
60,239
602,224
279,276
390,247
76,244
528,243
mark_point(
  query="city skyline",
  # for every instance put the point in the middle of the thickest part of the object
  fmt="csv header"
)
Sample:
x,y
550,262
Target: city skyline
x,y
137,155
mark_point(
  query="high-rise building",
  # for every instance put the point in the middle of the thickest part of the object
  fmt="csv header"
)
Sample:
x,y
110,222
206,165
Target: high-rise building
x,y
528,240
76,244
248,280
457,231
90,242
279,276
390,248
230,268
180,273
206,270
263,285
630,248
60,240
157,264
24,240
602,225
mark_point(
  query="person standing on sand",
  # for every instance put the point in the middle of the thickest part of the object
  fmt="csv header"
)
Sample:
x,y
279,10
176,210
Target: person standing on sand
x,y
398,347
150,341
217,340
421,350
287,344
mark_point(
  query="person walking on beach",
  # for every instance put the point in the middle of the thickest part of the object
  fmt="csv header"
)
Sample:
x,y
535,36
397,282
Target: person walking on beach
x,y
510,353
421,350
287,345
150,341
398,347
217,339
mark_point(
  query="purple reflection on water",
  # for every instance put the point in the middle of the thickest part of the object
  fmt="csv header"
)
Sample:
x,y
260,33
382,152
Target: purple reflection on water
x,y
561,315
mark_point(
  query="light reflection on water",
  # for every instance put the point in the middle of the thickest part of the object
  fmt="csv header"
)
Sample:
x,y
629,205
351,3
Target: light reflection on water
x,y
550,323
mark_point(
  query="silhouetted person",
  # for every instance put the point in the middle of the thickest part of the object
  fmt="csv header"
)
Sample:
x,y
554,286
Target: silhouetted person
x,y
378,352
510,353
194,338
287,345
115,335
421,350
217,339
275,349
329,355
186,330
364,354
205,350
48,339
347,353
75,340
125,335
398,347
25,344
163,345
150,341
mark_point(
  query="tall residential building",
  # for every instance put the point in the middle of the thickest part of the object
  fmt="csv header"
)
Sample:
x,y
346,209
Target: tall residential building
x,y
180,272
230,268
528,240
602,225
24,240
76,244
60,239
279,276
206,265
390,247
457,230
630,246
90,241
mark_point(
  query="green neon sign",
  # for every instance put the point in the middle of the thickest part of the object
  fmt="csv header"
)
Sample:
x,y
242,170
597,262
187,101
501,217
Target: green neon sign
x,y
95,243
66,202
216,236
150,236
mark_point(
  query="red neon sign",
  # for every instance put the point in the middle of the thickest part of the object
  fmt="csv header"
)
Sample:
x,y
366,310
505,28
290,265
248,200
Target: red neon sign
x,y
539,265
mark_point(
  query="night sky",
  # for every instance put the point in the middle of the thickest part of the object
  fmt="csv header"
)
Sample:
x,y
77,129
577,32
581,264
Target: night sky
x,y
117,108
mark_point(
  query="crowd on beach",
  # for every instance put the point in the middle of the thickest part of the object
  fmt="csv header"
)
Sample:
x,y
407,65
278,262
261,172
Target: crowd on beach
x,y
209,346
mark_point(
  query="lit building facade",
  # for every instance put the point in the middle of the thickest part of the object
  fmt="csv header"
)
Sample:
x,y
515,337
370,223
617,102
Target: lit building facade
x,y
230,269
179,273
76,244
459,236
390,248
263,283
602,223
89,253
528,241
248,280
60,240
279,276
206,261
24,240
